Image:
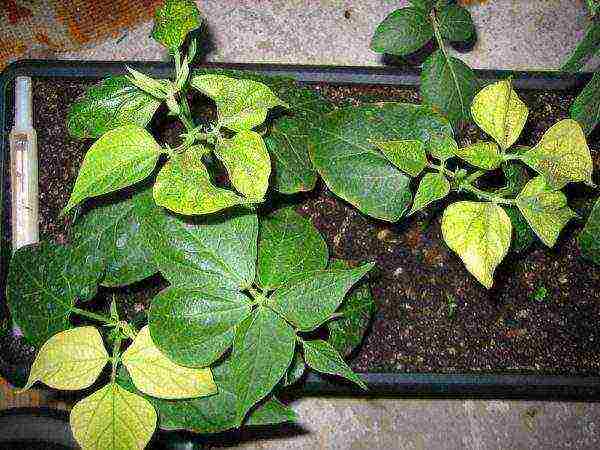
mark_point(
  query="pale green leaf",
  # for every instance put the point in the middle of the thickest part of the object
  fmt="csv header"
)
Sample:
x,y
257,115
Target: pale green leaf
x,y
432,187
545,210
499,111
322,357
589,238
586,107
262,351
173,21
456,23
288,245
404,31
69,360
110,104
562,155
247,161
408,156
241,104
120,158
195,326
442,146
156,375
485,155
113,419
311,298
183,186
480,234
448,85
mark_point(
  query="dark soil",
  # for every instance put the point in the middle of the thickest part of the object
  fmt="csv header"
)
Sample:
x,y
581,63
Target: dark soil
x,y
433,316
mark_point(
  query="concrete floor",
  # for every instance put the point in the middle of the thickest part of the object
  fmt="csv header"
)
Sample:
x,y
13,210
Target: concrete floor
x,y
513,34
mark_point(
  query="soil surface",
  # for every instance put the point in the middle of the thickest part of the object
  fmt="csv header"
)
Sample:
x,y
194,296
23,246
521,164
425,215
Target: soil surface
x,y
433,316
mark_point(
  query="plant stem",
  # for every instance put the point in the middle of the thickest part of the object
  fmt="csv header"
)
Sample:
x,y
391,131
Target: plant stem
x,y
94,316
486,195
438,36
442,169
115,358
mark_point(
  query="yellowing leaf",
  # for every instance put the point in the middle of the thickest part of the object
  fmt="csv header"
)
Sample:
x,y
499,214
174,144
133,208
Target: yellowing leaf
x,y
499,111
407,155
156,375
183,185
480,233
69,360
562,155
432,187
113,419
241,104
545,210
481,154
248,163
173,21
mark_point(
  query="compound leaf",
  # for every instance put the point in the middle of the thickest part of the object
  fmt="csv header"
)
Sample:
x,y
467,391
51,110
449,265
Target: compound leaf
x,y
173,21
432,187
480,234
404,31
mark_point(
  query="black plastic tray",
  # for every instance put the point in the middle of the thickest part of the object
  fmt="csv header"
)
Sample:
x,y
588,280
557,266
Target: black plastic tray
x,y
478,385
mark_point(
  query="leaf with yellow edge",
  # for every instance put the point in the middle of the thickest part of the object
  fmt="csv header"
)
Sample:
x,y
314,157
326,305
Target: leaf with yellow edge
x,y
248,163
69,360
499,111
113,419
156,375
480,234
407,155
485,155
562,155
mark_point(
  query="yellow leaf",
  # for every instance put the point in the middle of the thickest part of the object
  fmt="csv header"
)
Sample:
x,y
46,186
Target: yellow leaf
x,y
69,360
156,375
113,419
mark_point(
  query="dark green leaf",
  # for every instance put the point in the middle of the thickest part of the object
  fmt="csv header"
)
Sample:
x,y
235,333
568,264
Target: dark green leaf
x,y
322,357
111,231
516,176
523,235
310,299
271,412
586,108
425,5
589,238
355,170
448,85
262,351
403,32
194,326
288,245
585,50
173,21
108,105
204,250
432,187
456,23
296,370
43,283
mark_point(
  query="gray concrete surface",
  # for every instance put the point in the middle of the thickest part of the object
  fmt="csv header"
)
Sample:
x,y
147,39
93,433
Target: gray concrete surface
x,y
513,34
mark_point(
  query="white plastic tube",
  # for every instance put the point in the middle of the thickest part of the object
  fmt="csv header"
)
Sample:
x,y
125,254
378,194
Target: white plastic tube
x,y
24,169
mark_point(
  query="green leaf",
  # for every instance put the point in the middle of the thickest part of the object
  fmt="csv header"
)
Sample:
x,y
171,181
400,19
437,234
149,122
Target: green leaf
x,y
111,231
69,360
480,234
159,89
456,23
110,104
271,412
355,170
586,108
156,375
347,330
589,238
485,155
562,155
425,5
322,357
296,370
247,161
183,186
408,156
311,298
545,210
516,176
204,250
404,31
120,158
288,245
195,326
593,6
585,50
442,146
173,21
43,283
113,419
499,111
524,236
448,85
432,187
241,104
262,351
